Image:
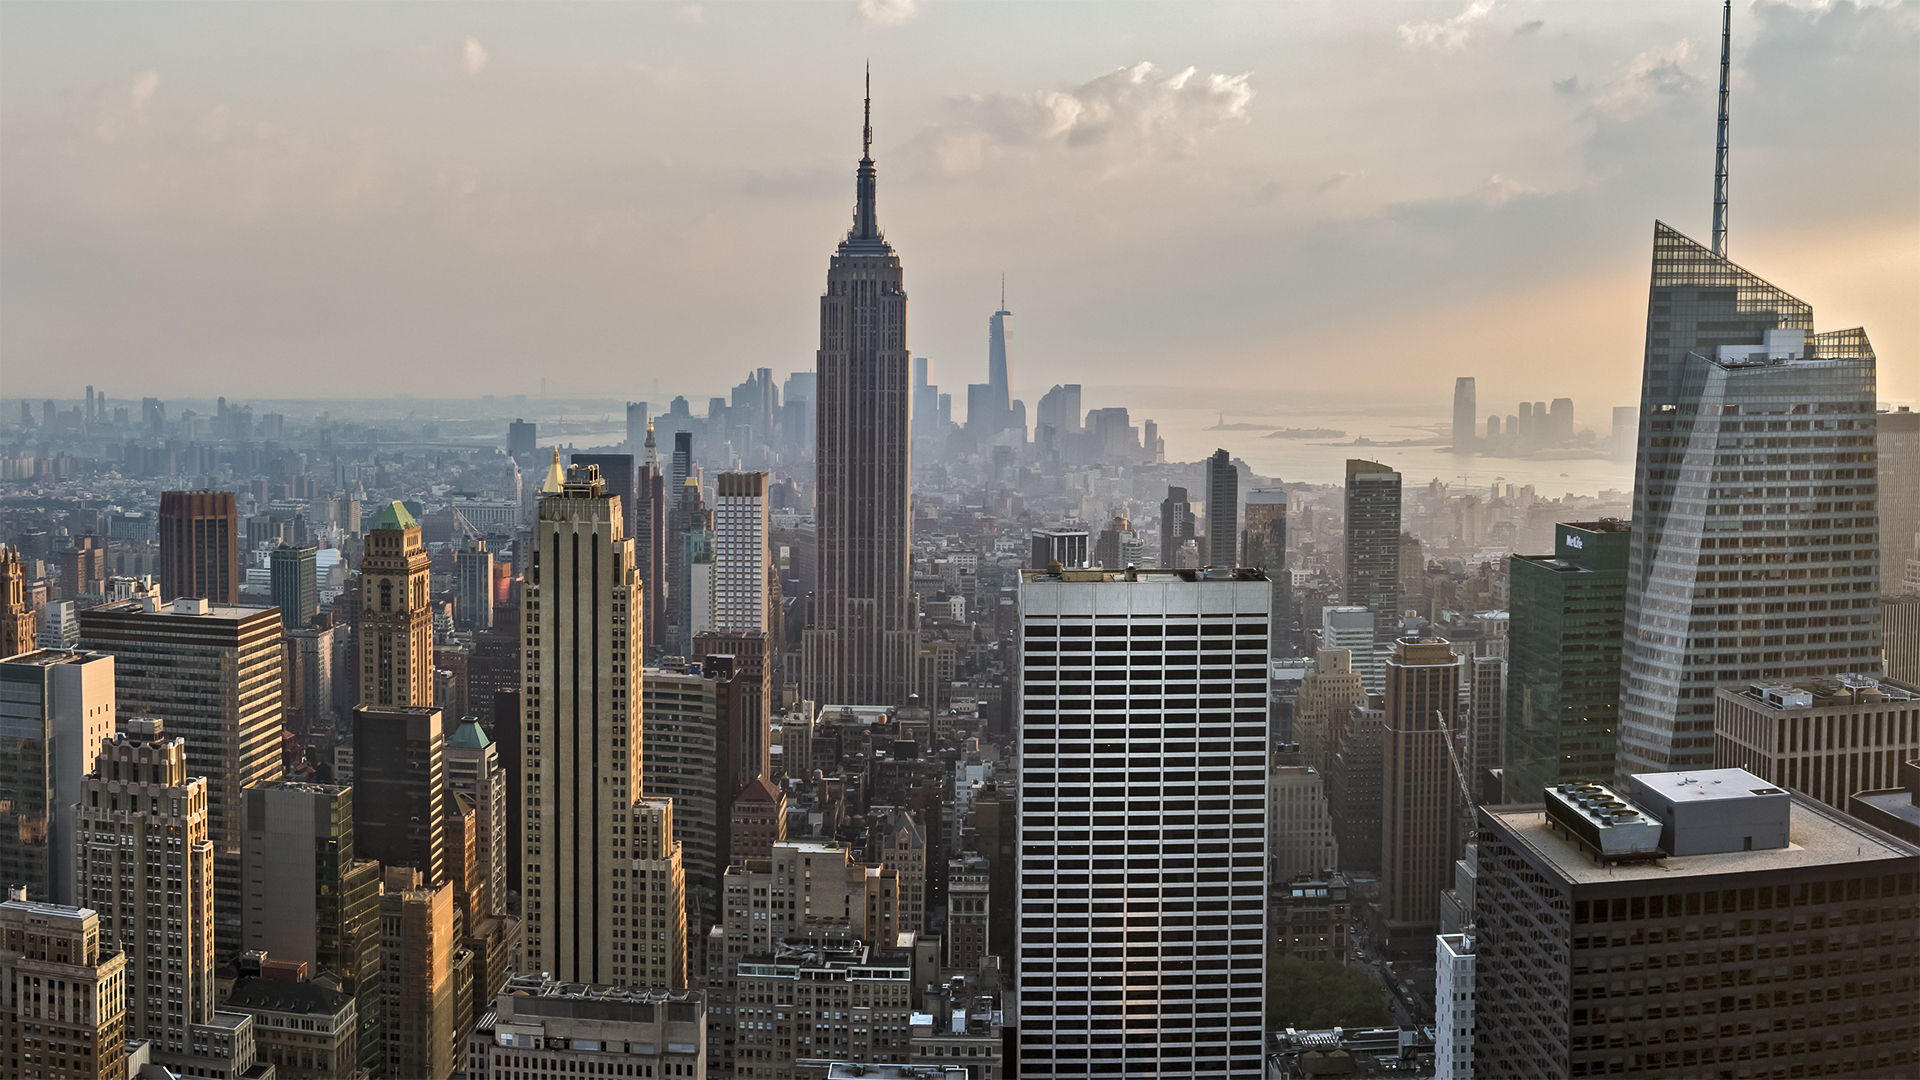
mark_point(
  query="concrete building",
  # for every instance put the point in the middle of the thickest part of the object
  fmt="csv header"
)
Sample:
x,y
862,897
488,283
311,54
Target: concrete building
x,y
544,1029
17,624
56,710
647,943
1563,680
1486,725
861,646
1355,743
474,771
1418,791
759,821
1299,829
1068,547
1718,563
1176,526
1466,415
1352,629
1901,623
400,789
200,546
310,901
305,1030
969,912
143,820
1094,802
295,590
809,1000
744,585
64,1013
899,842
681,754
1808,928
1328,689
1222,489
427,1003
1897,441
396,613
1264,545
1311,914
1453,1007
215,675
1825,738
473,586
1893,809
581,738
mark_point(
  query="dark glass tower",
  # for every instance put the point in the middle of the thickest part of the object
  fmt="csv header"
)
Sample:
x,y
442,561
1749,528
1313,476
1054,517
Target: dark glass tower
x,y
1373,545
1755,550
860,647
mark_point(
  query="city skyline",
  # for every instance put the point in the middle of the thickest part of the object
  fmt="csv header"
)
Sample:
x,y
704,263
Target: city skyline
x,y
482,233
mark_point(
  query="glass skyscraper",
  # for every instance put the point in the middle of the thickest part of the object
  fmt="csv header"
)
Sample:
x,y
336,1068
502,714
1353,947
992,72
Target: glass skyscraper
x,y
1754,552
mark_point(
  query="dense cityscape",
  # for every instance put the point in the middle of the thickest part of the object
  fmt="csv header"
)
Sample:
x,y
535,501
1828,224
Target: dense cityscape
x,y
811,732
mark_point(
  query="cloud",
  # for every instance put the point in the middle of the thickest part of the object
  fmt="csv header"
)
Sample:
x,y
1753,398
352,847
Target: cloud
x,y
1451,34
144,85
1131,112
1528,28
691,13
1568,85
475,57
886,12
1333,181
1653,75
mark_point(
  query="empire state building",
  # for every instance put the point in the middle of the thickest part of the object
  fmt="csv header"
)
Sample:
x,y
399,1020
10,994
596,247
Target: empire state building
x,y
860,648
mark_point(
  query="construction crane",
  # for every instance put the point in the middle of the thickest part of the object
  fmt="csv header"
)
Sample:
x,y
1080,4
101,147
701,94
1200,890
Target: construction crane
x,y
1459,775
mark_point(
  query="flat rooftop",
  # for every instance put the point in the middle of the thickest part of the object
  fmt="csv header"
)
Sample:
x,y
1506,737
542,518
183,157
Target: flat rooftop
x,y
1817,837
1706,785
50,657
1144,575
1899,804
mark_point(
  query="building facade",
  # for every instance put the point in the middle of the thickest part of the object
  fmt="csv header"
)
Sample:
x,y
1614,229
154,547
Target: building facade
x,y
1372,578
56,710
1095,802
1418,790
200,546
64,1010
1824,738
396,614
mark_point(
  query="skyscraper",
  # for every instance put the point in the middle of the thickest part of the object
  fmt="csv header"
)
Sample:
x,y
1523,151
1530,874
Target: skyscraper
x,y
80,1016
200,545
1373,545
214,674
1189,1003
400,788
1223,512
1466,415
291,574
473,585
521,440
1176,525
56,708
650,539
638,426
396,613
999,400
1754,551
1563,679
743,581
861,647
1264,545
1417,790
17,630
581,736
144,820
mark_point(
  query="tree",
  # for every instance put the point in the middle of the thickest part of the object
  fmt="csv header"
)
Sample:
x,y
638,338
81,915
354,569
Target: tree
x,y
1306,994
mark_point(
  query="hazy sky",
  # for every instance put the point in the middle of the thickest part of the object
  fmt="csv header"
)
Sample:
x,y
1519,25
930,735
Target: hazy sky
x,y
272,200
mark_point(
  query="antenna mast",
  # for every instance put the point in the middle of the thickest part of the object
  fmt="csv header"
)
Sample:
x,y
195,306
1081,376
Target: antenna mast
x,y
866,129
1720,149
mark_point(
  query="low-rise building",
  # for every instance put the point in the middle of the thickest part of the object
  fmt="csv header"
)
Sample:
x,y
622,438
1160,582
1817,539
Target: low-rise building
x,y
305,1030
815,1000
1311,915
543,1029
1895,809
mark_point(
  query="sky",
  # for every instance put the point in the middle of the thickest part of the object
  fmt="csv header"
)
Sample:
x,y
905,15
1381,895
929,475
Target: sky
x,y
1270,205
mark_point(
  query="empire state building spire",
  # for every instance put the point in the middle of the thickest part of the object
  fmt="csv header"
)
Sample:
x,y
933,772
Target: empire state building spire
x,y
865,236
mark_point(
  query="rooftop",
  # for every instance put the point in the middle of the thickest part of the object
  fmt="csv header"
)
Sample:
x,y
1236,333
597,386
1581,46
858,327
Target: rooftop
x,y
274,995
469,736
1703,785
1143,575
1836,691
1817,837
394,516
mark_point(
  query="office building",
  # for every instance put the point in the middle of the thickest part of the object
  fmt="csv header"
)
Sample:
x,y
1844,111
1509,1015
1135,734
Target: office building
x,y
399,785
757,822
474,771
1892,809
821,983
899,842
306,1030
1824,738
473,586
65,1012
83,570
1770,572
295,592
17,629
1223,511
1176,525
1299,829
543,1027
1418,790
999,400
1355,743
426,972
1453,1007
1372,578
689,568
214,674
145,865
861,647
396,613
1068,547
637,427
1802,977
744,586
1264,545
681,763
1353,629
1077,722
620,473
581,737
1328,689
1565,614
521,440
59,626
1486,726
650,893
1900,617
969,912
650,539
1897,441
200,546
310,901
1312,914
1466,413
56,709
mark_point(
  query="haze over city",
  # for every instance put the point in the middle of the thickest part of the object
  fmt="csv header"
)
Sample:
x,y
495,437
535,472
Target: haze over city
x,y
1270,198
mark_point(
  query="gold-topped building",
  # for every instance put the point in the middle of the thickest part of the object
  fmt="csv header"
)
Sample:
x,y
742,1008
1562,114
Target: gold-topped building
x,y
396,616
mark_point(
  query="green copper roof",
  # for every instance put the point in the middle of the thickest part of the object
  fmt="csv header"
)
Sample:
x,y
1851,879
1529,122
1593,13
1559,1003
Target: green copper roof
x,y
469,736
394,516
